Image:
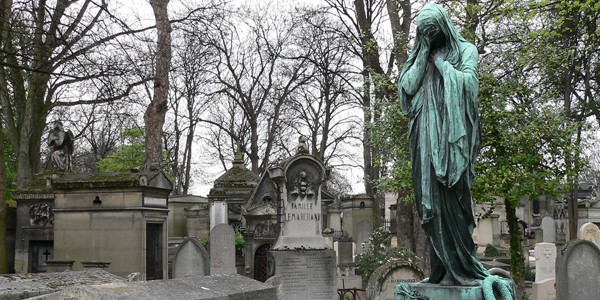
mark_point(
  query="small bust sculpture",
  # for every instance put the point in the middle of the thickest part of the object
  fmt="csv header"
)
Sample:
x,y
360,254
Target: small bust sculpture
x,y
61,147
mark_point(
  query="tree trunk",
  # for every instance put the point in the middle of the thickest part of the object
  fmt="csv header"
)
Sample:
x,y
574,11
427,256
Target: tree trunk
x,y
3,254
154,118
404,225
516,250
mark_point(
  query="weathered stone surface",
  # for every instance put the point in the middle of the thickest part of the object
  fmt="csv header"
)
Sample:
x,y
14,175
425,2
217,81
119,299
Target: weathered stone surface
x,y
216,287
578,271
590,232
543,290
222,250
545,261
191,258
305,274
21,286
548,230
382,284
300,179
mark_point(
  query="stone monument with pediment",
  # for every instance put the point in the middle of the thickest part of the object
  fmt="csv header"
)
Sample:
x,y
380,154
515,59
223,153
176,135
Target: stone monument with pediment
x,y
302,263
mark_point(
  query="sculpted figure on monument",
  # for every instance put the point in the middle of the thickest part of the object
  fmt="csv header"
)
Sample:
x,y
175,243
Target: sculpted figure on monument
x,y
438,89
61,146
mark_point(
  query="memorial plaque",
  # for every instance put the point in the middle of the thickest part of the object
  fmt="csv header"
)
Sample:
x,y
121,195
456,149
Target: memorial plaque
x,y
306,274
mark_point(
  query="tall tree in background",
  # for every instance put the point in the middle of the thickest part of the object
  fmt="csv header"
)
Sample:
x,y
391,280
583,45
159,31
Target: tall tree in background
x,y
322,108
189,100
254,78
3,206
51,49
154,118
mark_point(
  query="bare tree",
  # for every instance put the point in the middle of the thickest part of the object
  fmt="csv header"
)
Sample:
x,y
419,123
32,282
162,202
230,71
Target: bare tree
x,y
255,79
189,100
154,118
324,106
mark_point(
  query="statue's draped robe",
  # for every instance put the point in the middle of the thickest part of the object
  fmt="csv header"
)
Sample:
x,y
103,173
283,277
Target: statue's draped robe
x,y
444,136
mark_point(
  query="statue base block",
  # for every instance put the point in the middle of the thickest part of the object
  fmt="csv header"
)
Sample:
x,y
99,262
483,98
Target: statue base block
x,y
429,291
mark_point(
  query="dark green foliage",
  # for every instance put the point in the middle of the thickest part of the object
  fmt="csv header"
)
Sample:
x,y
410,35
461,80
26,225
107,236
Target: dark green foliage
x,y
491,251
130,156
377,252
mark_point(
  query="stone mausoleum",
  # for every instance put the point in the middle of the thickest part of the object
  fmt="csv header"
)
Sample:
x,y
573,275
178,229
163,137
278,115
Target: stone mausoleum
x,y
117,221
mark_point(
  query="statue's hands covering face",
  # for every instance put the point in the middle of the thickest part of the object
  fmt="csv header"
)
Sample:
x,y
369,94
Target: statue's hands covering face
x,y
438,58
429,32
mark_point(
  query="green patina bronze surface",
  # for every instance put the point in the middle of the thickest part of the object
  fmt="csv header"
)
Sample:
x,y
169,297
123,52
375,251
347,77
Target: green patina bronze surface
x,y
438,93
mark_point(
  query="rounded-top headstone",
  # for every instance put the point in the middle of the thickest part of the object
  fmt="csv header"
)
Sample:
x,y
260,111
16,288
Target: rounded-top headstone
x,y
590,232
301,183
383,281
191,258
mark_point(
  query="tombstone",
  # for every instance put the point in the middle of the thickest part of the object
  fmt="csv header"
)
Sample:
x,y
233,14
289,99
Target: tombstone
x,y
545,260
363,232
548,230
578,271
590,232
383,281
191,258
302,263
485,233
543,290
222,250
345,253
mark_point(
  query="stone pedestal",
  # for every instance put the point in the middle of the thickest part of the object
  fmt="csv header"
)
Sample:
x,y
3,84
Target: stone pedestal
x,y
428,291
304,275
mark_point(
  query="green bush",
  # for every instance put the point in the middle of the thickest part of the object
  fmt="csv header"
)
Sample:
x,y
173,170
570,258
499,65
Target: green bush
x,y
491,251
239,241
377,252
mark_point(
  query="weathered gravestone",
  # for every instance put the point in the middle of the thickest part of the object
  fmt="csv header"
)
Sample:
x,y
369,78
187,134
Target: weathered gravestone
x,y
590,232
363,232
545,261
191,258
383,281
345,253
222,250
545,272
578,271
548,230
543,290
302,263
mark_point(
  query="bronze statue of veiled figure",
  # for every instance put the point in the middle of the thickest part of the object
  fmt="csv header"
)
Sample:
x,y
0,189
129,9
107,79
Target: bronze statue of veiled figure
x,y
438,89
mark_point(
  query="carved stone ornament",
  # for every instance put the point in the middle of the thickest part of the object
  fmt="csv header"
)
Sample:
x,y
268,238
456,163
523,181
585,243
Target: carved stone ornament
x,y
265,230
41,214
303,185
